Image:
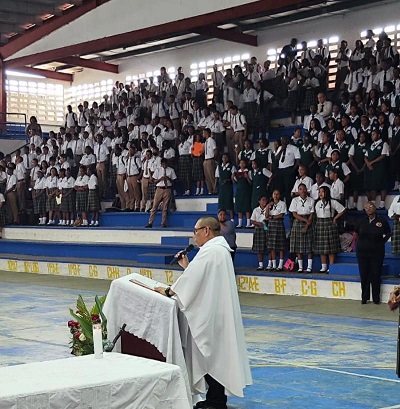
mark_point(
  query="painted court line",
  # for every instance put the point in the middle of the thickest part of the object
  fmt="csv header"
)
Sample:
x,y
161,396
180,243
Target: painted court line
x,y
391,407
378,378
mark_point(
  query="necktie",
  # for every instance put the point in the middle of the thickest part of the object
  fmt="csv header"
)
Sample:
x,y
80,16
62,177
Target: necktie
x,y
283,155
384,76
322,108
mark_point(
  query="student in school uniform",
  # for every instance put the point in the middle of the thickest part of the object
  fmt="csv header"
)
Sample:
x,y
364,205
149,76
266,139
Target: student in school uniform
x,y
52,192
223,178
33,174
144,177
239,126
81,188
210,152
326,235
258,219
394,145
20,173
301,235
39,196
276,235
243,193
308,157
133,167
260,178
93,203
11,193
356,156
163,177
245,154
3,177
185,164
302,179
375,174
250,106
337,186
120,162
394,214
67,206
101,153
319,182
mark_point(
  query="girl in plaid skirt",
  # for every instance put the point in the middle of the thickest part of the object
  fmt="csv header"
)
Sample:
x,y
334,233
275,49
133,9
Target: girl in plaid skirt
x,y
93,196
39,197
52,192
301,234
185,164
258,219
81,188
326,235
67,207
276,235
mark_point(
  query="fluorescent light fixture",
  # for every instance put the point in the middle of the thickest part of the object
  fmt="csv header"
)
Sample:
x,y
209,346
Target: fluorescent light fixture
x,y
389,29
334,39
22,74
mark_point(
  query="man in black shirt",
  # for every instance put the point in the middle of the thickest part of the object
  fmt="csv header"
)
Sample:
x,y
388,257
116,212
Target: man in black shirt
x,y
372,234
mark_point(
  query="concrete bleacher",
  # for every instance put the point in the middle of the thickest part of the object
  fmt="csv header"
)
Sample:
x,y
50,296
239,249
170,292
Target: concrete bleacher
x,y
122,246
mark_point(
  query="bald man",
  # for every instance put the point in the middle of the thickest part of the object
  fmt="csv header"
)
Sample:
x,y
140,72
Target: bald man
x,y
207,295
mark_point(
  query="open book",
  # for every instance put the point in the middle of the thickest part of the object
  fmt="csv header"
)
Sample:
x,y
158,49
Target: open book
x,y
146,281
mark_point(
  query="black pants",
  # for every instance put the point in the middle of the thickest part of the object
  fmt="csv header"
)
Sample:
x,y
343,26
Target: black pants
x,y
283,181
216,393
370,269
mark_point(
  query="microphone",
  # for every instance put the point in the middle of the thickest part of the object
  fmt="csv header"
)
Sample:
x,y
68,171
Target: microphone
x,y
109,346
188,249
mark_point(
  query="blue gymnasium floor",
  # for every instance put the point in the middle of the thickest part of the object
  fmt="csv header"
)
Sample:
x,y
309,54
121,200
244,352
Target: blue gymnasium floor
x,y
299,359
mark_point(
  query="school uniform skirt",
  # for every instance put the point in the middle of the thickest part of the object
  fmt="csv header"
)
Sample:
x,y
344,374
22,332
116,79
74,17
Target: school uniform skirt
x,y
395,240
259,240
225,196
292,101
185,168
301,242
82,201
93,204
310,98
197,169
68,202
3,215
52,205
250,112
39,203
326,237
276,235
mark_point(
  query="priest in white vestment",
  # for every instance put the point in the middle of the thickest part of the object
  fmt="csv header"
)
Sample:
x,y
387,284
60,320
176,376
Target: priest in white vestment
x,y
206,293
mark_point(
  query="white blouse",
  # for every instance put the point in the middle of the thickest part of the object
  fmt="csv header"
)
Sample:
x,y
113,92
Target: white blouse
x,y
278,208
302,206
323,210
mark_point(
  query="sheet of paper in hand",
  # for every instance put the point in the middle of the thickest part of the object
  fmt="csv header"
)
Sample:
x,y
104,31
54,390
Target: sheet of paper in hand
x,y
146,281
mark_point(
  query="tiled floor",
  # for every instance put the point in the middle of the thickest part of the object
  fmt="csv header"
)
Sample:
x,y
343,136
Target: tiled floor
x,y
305,353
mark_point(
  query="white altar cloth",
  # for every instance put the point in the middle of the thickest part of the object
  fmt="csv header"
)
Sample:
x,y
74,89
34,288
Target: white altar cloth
x,y
115,382
147,315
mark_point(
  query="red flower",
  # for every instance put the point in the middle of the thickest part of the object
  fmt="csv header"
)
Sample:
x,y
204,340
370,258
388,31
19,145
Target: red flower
x,y
71,323
95,318
77,335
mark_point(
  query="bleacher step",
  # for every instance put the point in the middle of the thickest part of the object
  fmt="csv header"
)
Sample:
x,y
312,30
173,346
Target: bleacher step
x,y
351,269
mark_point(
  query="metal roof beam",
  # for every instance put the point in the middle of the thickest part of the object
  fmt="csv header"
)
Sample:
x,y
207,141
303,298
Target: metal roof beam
x,y
60,76
48,27
137,37
86,63
231,34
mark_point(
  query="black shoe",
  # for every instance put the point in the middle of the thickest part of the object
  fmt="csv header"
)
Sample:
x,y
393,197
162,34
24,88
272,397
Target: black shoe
x,y
148,226
142,210
363,302
137,210
164,225
377,302
200,405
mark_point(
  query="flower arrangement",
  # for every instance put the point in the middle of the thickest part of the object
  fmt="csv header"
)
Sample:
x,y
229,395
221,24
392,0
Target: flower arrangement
x,y
81,328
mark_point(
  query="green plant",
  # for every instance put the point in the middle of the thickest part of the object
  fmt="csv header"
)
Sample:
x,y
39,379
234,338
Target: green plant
x,y
81,328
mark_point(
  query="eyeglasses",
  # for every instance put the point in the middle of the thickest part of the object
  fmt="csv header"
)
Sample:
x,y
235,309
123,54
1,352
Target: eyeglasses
x,y
195,230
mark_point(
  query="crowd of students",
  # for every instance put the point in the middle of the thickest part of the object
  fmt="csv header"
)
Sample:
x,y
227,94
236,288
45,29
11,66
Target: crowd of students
x,y
349,143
